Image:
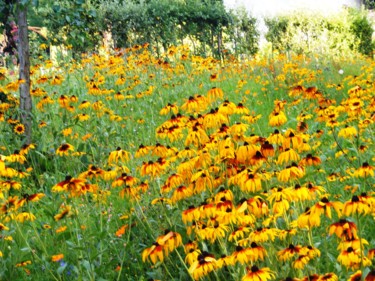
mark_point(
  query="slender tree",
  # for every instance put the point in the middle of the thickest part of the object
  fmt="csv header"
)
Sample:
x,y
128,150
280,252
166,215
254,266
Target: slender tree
x,y
24,70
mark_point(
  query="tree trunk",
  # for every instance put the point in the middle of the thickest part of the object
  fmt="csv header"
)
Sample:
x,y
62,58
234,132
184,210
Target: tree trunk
x,y
24,71
219,43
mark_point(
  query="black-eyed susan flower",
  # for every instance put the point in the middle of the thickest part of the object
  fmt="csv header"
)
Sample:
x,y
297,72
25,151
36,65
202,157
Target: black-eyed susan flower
x,y
3,227
215,93
348,132
356,276
263,234
69,184
370,276
277,118
288,155
23,263
289,252
125,179
256,274
196,136
239,233
24,216
267,149
16,157
257,252
301,261
276,138
310,160
227,108
191,214
324,207
155,253
328,277
180,193
249,118
356,206
290,173
118,155
190,245
245,152
194,104
355,243
350,257
312,277
370,253
344,229
8,184
169,108
205,264
364,171
66,211
82,117
242,255
26,148
241,109
63,150
192,256
307,220
19,129
248,181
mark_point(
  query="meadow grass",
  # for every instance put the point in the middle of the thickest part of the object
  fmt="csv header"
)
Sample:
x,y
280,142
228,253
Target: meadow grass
x,y
187,168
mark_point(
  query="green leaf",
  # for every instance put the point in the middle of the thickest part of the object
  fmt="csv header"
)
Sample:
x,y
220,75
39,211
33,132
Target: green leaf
x,y
86,264
61,269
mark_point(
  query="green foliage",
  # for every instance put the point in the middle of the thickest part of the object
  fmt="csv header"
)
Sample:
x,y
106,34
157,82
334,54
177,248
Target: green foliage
x,y
205,25
72,23
345,33
244,33
277,28
362,29
369,4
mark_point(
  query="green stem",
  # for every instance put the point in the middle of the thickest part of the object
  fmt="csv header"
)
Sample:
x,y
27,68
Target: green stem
x,y
34,252
360,244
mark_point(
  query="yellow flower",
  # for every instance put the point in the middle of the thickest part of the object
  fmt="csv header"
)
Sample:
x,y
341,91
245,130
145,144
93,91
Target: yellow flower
x,y
356,206
288,155
19,129
25,216
3,227
65,212
64,149
118,155
23,263
256,274
277,118
154,253
301,261
83,117
61,229
288,253
348,132
205,264
364,171
58,257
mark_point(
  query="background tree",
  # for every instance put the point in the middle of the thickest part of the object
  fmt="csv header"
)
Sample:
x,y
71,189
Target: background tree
x,y
369,4
24,70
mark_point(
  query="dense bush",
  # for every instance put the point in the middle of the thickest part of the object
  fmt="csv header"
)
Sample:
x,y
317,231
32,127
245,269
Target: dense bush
x,y
205,25
345,33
